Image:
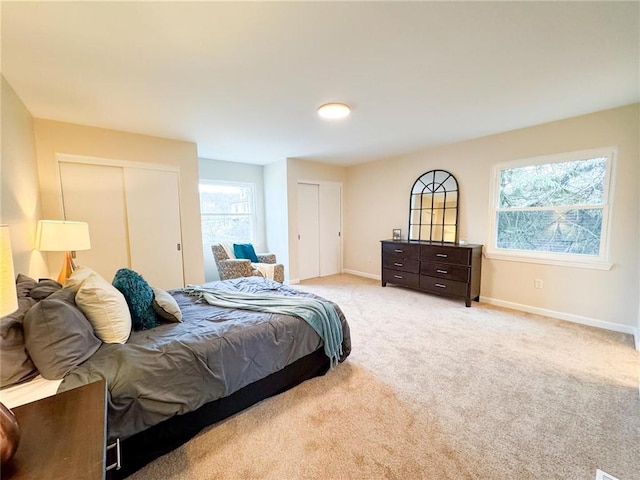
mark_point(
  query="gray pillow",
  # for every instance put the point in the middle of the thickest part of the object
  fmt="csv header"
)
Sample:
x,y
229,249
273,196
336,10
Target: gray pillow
x,y
44,288
17,367
58,335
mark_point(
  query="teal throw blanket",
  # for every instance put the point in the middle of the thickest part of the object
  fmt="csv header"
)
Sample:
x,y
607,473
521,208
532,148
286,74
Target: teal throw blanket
x,y
322,316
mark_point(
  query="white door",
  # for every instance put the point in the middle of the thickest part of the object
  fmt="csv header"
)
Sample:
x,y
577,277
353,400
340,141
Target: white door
x,y
308,231
133,216
330,228
153,213
95,194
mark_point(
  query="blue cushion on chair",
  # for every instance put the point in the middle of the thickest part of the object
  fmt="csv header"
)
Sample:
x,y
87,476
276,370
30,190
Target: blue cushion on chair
x,y
139,296
245,250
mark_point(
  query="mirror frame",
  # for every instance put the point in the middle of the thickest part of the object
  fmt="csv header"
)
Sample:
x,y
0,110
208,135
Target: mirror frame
x,y
429,184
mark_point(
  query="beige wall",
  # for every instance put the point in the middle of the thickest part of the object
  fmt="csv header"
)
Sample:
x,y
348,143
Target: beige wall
x,y
54,138
378,198
276,207
19,185
299,171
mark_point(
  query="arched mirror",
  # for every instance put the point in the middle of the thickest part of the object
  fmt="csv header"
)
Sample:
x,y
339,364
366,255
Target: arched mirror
x,y
433,208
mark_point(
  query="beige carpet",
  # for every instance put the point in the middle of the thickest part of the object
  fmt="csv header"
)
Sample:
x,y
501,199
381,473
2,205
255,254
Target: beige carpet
x,y
434,390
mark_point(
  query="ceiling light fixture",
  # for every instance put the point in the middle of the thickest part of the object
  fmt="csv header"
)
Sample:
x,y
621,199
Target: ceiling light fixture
x,y
334,110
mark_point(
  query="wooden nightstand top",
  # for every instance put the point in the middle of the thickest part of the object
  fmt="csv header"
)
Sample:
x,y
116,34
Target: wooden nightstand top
x,y
62,437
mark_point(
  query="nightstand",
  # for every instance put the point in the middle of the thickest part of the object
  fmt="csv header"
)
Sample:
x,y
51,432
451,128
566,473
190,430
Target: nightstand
x,y
62,437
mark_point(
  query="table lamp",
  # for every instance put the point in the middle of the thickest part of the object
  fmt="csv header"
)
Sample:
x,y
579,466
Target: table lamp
x,y
8,296
9,428
63,236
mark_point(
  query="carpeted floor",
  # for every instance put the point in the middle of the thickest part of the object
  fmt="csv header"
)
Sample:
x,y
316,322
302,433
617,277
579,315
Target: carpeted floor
x,y
434,390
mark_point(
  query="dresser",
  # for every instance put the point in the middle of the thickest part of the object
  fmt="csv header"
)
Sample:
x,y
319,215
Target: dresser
x,y
443,269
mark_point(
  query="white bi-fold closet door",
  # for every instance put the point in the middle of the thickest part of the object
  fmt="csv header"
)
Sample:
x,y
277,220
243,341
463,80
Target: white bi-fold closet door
x,y
319,229
134,218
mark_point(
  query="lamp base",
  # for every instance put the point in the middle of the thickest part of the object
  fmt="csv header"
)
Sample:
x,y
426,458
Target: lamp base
x,y
67,268
9,434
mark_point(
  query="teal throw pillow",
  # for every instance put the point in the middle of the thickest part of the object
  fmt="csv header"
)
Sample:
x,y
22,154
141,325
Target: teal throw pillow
x,y
245,250
139,296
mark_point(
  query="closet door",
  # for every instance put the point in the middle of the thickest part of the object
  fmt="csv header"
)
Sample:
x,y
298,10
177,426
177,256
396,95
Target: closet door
x,y
308,231
153,214
133,216
95,194
330,208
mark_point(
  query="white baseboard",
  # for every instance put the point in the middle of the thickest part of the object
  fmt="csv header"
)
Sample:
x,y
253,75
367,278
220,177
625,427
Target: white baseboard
x,y
570,317
362,274
295,281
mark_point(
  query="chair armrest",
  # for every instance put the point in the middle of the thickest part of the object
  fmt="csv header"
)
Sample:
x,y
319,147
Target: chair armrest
x,y
234,268
266,257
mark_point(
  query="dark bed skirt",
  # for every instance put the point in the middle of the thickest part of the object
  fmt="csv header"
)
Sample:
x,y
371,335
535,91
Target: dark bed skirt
x,y
146,446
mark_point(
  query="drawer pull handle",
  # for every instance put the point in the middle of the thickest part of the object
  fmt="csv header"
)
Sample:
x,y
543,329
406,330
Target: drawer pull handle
x,y
398,276
443,255
440,285
442,271
398,264
117,465
397,250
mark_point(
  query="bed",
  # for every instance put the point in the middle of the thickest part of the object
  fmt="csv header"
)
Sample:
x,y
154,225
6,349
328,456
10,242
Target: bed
x,y
168,382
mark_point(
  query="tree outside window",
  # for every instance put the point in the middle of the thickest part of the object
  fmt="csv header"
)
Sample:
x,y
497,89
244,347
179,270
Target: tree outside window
x,y
553,207
227,212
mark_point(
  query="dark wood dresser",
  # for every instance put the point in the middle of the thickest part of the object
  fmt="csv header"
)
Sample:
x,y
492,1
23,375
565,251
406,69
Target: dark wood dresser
x,y
443,269
62,436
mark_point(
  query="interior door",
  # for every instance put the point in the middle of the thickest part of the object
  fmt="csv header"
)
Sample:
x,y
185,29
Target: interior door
x,y
330,228
133,216
308,231
153,212
95,194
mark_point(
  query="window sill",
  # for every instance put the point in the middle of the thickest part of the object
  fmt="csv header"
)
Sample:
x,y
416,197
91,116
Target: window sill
x,y
590,264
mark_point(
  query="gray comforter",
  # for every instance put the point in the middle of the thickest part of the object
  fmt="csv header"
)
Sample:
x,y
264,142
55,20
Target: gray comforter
x,y
177,367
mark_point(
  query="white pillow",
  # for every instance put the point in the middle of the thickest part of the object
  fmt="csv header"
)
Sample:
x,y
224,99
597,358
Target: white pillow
x,y
106,309
77,278
166,306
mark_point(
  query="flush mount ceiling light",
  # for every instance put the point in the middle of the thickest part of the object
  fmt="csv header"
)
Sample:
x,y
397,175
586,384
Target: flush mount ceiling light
x,y
334,110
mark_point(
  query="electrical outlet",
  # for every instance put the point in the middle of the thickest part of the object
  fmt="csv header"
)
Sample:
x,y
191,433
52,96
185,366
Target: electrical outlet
x,y
538,283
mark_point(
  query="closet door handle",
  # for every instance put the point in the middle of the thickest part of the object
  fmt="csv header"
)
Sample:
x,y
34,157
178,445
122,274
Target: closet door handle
x,y
178,246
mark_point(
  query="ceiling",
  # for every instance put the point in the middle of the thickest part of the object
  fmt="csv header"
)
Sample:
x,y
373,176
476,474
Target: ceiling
x,y
244,80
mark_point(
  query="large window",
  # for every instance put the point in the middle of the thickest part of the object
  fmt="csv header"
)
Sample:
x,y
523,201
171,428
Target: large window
x,y
228,212
553,209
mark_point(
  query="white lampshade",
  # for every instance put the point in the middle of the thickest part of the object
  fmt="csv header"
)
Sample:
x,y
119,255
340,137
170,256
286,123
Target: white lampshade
x,y
8,296
62,236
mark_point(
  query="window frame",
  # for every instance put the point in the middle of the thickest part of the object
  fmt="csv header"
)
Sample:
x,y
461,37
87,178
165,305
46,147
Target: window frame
x,y
600,261
253,215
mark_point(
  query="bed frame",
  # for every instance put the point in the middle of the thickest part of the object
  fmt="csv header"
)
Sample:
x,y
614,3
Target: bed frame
x,y
144,447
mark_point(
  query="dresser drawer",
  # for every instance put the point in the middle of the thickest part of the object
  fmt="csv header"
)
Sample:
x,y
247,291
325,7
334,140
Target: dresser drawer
x,y
443,254
443,270
400,278
395,262
442,285
403,250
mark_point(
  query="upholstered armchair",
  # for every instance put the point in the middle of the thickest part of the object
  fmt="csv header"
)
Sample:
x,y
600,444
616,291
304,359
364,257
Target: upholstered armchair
x,y
239,267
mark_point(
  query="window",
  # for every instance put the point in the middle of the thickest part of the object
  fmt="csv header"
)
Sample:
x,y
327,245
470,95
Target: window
x,y
227,211
553,209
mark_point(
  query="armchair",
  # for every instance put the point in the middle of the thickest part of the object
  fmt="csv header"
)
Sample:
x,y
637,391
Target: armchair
x,y
238,267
